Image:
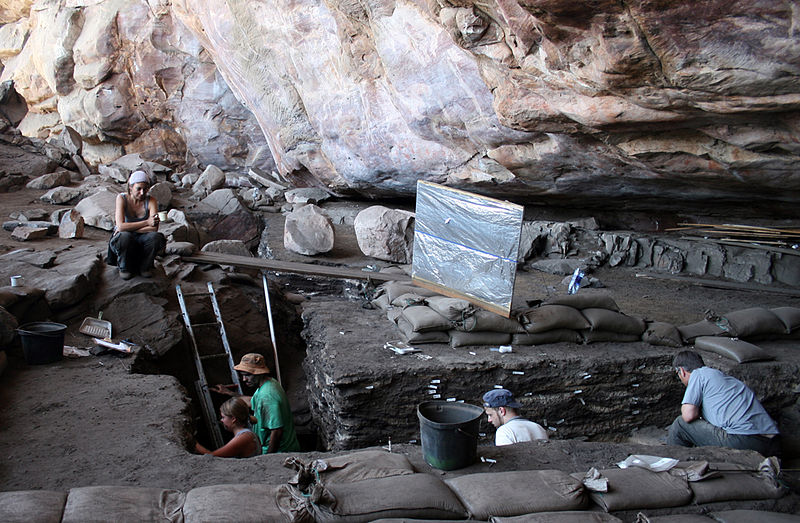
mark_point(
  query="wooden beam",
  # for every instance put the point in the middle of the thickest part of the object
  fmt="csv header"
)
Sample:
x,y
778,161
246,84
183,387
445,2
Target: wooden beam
x,y
310,269
715,284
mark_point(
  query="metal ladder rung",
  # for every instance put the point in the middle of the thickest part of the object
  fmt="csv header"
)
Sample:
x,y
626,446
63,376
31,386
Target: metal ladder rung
x,y
197,294
215,324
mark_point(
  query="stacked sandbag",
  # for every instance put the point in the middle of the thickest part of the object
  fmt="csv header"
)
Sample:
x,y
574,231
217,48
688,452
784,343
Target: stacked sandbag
x,y
587,316
365,486
754,323
481,327
523,492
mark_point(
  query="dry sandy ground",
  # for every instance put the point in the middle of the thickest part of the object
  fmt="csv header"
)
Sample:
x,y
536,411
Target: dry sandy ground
x,y
91,422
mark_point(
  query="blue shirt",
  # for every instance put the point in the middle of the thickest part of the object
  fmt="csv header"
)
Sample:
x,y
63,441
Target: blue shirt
x,y
727,403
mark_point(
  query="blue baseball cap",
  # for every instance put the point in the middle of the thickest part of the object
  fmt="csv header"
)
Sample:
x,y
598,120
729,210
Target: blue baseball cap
x,y
500,398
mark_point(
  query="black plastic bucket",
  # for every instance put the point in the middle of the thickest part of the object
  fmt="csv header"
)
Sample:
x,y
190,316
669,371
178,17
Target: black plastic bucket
x,y
42,342
449,433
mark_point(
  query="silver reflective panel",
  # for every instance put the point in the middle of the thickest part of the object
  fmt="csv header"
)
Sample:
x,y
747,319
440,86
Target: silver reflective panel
x,y
466,245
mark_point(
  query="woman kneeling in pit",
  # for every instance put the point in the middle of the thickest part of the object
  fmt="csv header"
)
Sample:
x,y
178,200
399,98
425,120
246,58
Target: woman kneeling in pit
x,y
235,417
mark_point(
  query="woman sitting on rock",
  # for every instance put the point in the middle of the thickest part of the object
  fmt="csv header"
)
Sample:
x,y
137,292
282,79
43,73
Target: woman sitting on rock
x,y
235,417
136,240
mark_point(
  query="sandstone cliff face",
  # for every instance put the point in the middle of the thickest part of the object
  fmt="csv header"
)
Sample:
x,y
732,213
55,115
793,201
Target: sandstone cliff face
x,y
644,102
128,78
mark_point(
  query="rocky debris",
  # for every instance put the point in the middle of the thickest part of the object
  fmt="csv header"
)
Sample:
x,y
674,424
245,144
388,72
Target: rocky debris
x,y
61,195
212,179
272,188
308,231
558,266
50,180
386,234
71,278
26,232
71,225
30,215
235,247
98,209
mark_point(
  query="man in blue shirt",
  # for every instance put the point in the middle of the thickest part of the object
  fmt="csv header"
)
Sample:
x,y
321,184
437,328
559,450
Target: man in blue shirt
x,y
731,414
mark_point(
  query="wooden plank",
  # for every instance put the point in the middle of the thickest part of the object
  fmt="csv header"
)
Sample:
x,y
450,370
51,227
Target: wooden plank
x,y
309,269
452,293
716,284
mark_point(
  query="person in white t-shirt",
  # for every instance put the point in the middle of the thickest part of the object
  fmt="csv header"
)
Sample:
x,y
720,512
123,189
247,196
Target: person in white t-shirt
x,y
501,409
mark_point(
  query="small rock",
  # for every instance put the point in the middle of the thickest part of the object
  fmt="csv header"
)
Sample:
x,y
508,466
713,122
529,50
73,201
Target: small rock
x,y
235,247
60,195
189,179
30,215
114,172
72,140
306,195
212,179
71,225
308,231
162,192
50,180
181,248
26,233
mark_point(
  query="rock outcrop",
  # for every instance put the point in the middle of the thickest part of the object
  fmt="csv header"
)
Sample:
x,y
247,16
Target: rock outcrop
x,y
643,104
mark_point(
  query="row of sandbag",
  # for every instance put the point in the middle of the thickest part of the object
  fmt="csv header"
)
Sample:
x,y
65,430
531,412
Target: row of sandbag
x,y
422,316
369,485
374,484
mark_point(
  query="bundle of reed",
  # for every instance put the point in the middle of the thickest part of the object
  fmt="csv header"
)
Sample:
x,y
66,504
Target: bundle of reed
x,y
745,234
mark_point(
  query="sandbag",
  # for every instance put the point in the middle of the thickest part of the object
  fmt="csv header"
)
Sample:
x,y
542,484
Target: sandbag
x,y
675,518
483,320
410,496
549,317
523,492
416,338
789,316
358,466
700,328
408,299
567,516
465,339
454,309
232,503
24,506
584,300
749,516
663,334
735,486
551,336
381,302
755,321
591,336
393,289
738,350
422,319
606,320
122,504
638,488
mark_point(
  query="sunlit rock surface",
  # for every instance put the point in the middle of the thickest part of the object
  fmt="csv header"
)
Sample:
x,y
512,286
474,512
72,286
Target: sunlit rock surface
x,y
642,103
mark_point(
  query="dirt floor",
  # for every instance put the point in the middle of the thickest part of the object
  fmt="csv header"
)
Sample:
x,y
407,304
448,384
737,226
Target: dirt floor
x,y
90,421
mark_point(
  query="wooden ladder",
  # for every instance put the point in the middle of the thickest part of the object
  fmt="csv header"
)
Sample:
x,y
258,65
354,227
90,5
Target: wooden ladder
x,y
201,385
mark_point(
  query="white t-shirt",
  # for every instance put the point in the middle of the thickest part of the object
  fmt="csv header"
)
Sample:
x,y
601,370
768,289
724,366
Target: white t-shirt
x,y
517,430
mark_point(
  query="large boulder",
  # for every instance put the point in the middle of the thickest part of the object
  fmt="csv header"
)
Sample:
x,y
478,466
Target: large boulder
x,y
308,231
212,179
50,180
386,234
144,320
222,216
98,209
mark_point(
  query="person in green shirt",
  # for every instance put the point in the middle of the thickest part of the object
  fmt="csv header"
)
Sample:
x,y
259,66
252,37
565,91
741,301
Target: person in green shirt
x,y
274,421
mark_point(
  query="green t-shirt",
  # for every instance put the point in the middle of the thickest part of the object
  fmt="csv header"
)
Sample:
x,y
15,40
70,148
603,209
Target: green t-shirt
x,y
271,409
